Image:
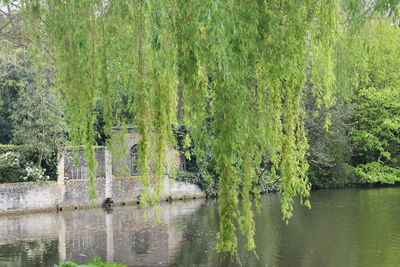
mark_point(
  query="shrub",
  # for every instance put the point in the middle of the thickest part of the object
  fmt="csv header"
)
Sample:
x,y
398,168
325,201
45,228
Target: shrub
x,y
9,148
35,174
97,262
10,167
203,179
16,166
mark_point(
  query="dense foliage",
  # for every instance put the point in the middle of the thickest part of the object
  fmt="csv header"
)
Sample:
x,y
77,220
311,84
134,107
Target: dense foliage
x,y
31,117
376,127
38,123
17,165
12,74
240,73
330,150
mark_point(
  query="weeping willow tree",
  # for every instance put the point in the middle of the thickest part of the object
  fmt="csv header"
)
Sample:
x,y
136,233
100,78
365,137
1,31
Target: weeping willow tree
x,y
240,67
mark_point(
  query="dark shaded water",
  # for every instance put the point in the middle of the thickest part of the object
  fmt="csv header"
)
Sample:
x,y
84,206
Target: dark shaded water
x,y
349,227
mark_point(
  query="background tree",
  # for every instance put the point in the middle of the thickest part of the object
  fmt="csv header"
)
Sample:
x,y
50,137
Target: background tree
x,y
376,132
370,65
39,122
330,148
11,23
13,76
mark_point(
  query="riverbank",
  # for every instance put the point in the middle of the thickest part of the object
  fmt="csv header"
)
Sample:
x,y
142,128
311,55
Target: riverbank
x,y
356,185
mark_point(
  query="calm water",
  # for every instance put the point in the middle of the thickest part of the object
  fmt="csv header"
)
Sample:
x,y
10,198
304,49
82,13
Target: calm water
x,y
350,227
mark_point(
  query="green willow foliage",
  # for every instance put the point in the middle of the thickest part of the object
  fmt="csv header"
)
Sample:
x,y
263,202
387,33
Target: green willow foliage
x,y
240,66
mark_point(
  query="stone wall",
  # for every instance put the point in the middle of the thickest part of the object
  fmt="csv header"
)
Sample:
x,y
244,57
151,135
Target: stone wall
x,y
74,193
29,196
123,189
79,171
122,161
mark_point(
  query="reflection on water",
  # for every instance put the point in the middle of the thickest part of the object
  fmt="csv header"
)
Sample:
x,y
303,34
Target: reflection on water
x,y
120,234
351,227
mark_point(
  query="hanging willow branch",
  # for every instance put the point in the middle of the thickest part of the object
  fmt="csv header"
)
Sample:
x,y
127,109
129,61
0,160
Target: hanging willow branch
x,y
241,66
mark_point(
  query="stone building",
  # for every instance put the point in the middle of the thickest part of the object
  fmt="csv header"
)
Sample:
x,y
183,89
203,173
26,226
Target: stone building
x,y
116,179
123,158
117,176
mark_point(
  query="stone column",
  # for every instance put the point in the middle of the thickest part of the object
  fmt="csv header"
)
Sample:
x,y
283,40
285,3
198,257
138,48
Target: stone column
x,y
108,173
61,178
60,168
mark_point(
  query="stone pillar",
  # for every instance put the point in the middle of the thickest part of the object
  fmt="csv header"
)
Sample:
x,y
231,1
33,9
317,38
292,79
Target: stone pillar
x,y
108,173
60,168
61,178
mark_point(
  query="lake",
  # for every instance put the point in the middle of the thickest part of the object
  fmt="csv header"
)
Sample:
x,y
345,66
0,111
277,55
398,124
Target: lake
x,y
347,227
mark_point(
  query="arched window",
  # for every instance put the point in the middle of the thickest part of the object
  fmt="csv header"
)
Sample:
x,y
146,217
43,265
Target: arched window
x,y
134,160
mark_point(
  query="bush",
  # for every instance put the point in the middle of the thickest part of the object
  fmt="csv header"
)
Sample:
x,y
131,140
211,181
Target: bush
x,y
203,179
10,167
97,262
16,166
338,176
8,148
35,174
